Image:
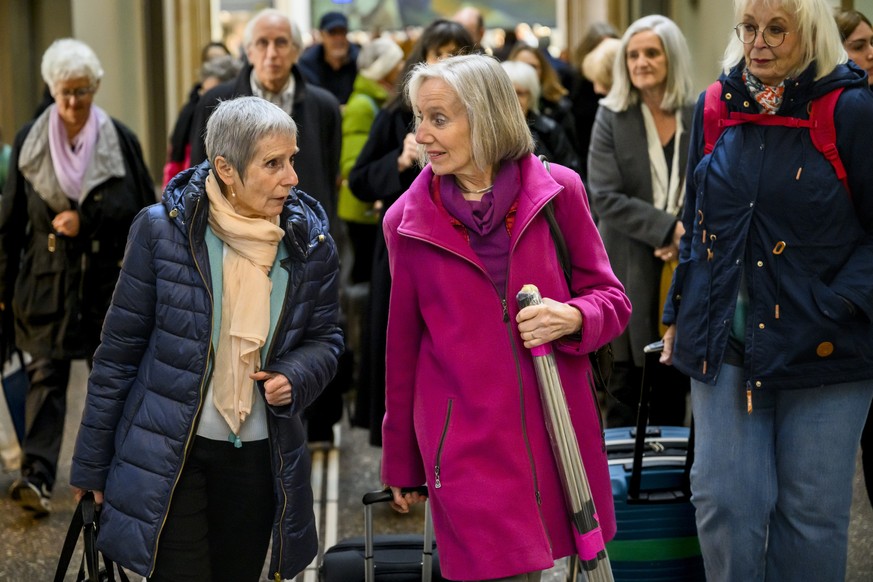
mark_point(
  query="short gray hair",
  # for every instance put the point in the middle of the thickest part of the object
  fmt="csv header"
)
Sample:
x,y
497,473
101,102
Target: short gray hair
x,y
236,128
68,58
819,37
248,33
223,68
525,75
679,89
498,129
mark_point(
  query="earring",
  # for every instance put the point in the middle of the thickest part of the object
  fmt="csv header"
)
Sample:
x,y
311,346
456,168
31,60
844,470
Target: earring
x,y
232,193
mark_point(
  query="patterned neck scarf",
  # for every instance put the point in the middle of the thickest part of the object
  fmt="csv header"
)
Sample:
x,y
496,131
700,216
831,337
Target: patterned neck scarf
x,y
768,98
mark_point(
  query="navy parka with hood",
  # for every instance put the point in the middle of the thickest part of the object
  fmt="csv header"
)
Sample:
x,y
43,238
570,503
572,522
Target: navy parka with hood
x,y
150,374
767,205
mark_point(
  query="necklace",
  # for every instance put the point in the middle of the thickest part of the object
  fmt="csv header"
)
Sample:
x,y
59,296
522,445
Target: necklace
x,y
482,191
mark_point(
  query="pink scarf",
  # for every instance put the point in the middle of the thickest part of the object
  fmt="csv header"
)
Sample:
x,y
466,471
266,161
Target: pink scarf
x,y
71,158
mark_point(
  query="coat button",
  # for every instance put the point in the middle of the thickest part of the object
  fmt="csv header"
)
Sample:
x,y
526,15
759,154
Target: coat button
x,y
174,213
728,96
758,384
760,263
824,349
761,326
321,238
745,103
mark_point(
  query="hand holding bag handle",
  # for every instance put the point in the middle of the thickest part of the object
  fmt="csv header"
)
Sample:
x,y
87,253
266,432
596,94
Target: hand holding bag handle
x,y
85,521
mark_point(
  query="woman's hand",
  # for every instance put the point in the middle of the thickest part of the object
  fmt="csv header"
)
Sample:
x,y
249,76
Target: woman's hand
x,y
402,501
541,324
78,494
671,251
277,388
66,223
409,154
667,352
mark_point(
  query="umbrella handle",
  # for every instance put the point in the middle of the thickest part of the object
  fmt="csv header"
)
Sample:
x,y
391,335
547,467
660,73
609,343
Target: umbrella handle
x,y
529,295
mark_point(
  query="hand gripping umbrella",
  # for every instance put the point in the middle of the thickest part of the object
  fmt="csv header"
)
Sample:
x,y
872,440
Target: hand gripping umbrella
x,y
588,536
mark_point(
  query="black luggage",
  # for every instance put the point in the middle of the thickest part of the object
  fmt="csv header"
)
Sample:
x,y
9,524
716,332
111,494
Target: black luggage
x,y
656,540
384,557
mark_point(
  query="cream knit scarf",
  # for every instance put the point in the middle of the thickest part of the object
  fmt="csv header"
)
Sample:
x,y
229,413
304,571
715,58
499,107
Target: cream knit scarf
x,y
251,245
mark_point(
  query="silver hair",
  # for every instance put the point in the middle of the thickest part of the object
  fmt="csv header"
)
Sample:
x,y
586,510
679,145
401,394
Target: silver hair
x,y
248,33
819,36
223,68
498,129
68,58
236,128
525,75
679,89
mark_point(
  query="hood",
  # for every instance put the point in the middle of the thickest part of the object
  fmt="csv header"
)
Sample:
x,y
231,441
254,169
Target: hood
x,y
303,218
800,91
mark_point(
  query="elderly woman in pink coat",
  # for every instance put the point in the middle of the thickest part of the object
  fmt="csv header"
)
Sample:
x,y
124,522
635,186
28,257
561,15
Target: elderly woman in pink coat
x,y
463,407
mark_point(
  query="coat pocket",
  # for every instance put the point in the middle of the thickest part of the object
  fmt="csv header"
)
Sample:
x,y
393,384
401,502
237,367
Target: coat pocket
x,y
39,290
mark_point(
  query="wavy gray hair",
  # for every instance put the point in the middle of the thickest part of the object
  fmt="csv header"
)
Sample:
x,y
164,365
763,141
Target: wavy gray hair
x,y
498,130
236,128
68,58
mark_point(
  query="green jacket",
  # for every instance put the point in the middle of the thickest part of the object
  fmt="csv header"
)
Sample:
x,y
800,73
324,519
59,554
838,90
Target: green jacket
x,y
358,115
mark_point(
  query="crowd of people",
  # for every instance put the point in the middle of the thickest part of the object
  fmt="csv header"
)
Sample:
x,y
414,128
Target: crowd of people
x,y
223,319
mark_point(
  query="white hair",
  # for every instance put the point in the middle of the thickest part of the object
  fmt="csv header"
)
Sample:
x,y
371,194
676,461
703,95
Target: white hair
x,y
68,58
525,75
248,33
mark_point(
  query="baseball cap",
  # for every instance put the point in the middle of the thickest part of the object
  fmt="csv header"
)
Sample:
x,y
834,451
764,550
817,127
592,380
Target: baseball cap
x,y
332,20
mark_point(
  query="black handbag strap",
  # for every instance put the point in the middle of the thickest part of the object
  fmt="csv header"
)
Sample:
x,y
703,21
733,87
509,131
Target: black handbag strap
x,y
85,522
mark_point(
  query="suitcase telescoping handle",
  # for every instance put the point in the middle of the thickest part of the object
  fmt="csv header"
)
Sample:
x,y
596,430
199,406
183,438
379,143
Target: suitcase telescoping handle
x,y
385,496
652,356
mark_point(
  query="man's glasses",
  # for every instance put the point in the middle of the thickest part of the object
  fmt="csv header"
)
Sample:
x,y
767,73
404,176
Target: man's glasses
x,y
773,35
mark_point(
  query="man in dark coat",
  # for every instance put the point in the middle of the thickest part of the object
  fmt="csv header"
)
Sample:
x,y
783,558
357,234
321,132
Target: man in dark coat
x,y
332,63
273,45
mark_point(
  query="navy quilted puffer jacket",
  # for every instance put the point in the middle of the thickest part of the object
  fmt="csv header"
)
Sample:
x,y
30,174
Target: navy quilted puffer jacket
x,y
149,378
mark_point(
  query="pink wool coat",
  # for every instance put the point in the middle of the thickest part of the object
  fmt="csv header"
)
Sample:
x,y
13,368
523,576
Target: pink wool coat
x,y
463,406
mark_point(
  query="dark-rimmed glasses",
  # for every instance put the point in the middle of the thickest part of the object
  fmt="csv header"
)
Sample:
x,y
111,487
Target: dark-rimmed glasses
x,y
773,35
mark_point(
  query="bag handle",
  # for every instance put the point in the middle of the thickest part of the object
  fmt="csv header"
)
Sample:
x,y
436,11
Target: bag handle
x,y
85,522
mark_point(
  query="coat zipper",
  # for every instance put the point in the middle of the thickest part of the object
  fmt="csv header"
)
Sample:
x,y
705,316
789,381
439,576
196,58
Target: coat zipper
x,y
191,431
277,576
436,468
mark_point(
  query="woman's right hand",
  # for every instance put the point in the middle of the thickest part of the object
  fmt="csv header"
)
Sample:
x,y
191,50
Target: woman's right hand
x,y
402,501
78,494
409,154
667,352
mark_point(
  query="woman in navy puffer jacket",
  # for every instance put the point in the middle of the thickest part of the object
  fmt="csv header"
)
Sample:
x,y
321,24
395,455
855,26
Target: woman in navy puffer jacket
x,y
223,327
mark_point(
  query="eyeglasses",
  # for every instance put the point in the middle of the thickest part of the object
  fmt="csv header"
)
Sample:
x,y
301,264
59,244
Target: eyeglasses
x,y
79,93
773,35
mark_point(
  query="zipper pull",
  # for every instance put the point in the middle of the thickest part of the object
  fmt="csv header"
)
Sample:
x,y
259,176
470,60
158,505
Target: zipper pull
x,y
777,311
748,397
277,577
436,481
505,311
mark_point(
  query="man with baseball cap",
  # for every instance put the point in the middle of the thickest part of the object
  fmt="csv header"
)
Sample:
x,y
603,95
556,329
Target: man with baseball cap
x,y
331,63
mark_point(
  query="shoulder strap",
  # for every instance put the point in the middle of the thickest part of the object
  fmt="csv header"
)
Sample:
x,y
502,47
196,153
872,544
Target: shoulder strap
x,y
714,114
823,132
557,236
822,129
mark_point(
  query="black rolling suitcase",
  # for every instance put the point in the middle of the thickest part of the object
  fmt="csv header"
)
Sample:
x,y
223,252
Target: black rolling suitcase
x,y
384,557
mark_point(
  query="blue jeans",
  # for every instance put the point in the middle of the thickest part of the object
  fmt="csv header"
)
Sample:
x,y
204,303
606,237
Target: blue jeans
x,y
773,489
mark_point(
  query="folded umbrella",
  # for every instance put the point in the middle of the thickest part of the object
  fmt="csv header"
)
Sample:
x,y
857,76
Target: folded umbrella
x,y
589,537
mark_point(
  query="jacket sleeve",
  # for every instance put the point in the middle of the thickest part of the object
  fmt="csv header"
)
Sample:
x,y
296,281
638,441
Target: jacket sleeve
x,y
311,364
853,119
358,117
596,292
695,154
402,465
13,223
127,329
609,183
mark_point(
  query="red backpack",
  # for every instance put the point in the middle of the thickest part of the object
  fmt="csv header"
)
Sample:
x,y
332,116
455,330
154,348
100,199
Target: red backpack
x,y
716,118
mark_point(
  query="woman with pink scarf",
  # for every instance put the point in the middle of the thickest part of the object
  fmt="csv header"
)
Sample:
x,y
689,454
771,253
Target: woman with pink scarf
x,y
76,180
